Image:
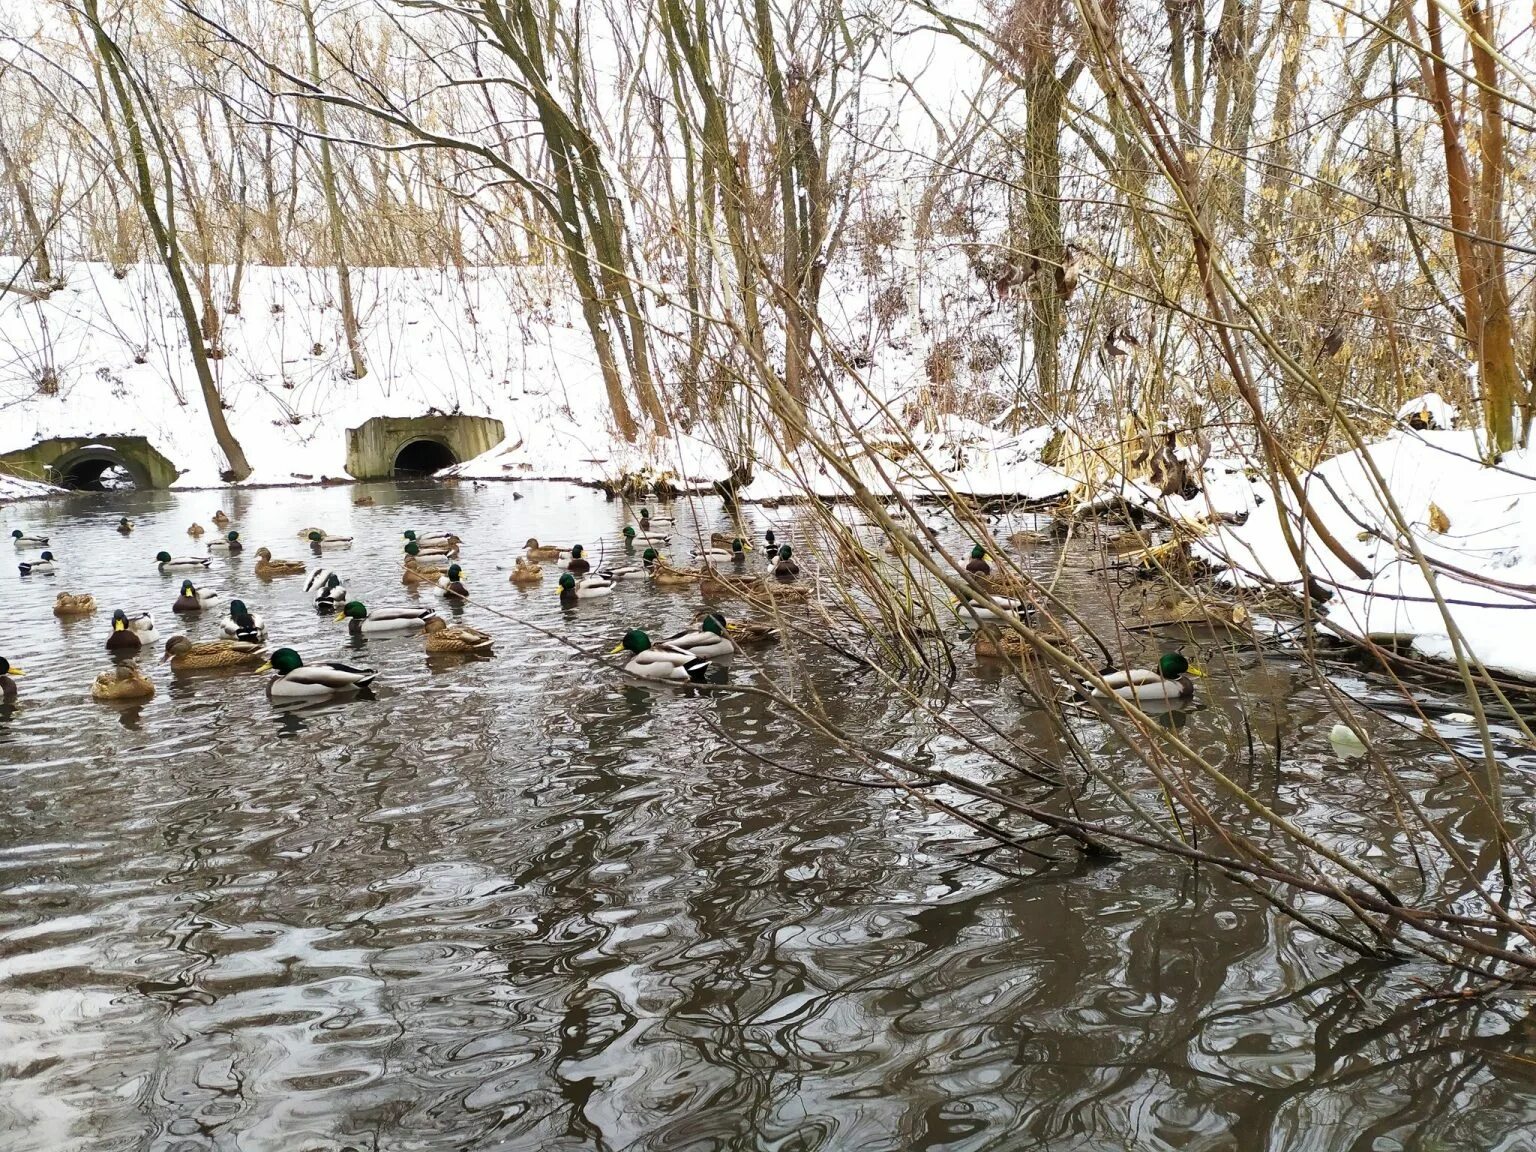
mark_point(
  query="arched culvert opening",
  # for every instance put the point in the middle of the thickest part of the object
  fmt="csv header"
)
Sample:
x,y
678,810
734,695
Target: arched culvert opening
x,y
423,458
95,470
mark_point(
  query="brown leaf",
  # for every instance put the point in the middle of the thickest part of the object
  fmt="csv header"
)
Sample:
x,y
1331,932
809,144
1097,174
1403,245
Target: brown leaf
x,y
1439,522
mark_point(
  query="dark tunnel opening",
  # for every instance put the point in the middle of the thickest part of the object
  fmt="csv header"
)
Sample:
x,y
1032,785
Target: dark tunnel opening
x,y
423,458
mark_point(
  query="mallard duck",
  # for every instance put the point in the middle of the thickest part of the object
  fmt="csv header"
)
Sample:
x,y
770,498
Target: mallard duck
x,y
1025,540
745,633
653,539
589,588
386,621
660,661
73,604
24,541
196,530
220,518
168,563
579,565
243,624
363,502
663,575
1002,644
320,542
331,595
433,540
415,572
297,680
266,567
230,544
648,539
309,533
433,551
525,573
646,520
7,684
736,555
1001,585
721,540
708,641
977,565
537,551
442,638
129,633
770,544
786,567
622,571
182,653
194,599
125,682
1170,681
451,583
720,584
124,525
1008,607
317,579
43,566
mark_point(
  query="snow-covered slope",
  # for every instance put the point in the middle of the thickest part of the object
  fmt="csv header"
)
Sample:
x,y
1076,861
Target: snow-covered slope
x,y
1474,525
107,354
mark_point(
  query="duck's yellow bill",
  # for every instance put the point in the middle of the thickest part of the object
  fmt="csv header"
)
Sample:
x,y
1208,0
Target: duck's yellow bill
x,y
15,671
341,615
267,667
616,648
1193,671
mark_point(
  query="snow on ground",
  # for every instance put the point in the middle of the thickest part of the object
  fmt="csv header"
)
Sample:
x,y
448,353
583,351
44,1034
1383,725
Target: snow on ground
x,y
107,355
14,488
1474,526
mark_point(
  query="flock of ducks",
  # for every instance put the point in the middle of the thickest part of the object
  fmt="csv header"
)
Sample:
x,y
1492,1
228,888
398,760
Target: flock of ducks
x,y
724,564
426,559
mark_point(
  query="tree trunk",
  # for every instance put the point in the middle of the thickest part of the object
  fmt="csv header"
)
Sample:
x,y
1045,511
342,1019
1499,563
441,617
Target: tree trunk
x,y
333,206
163,229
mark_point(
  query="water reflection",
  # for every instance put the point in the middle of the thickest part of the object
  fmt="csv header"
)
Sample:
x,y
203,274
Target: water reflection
x,y
512,902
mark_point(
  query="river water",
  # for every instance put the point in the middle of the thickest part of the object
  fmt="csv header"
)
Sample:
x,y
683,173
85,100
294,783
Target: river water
x,y
518,903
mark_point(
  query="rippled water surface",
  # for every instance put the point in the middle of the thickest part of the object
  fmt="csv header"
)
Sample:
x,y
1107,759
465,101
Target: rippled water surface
x,y
517,903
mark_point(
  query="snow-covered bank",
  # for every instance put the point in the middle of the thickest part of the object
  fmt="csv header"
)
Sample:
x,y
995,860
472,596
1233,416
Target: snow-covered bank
x,y
1474,526
106,354
15,488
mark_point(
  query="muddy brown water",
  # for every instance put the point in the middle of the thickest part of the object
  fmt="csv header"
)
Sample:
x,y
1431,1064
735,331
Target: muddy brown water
x,y
518,903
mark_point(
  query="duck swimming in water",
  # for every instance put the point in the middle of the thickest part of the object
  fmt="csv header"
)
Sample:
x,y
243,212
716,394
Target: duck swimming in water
x,y
591,588
243,624
169,563
296,680
23,541
124,525
1171,681
386,621
129,633
525,573
74,604
7,684
43,566
451,583
184,654
660,662
230,544
125,682
266,567
440,637
194,599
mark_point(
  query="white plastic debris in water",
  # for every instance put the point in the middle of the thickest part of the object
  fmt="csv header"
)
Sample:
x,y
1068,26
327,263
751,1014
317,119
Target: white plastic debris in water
x,y
1345,742
1459,718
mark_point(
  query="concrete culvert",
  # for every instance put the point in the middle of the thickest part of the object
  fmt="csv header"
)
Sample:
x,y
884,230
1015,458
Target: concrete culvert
x,y
423,458
97,475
